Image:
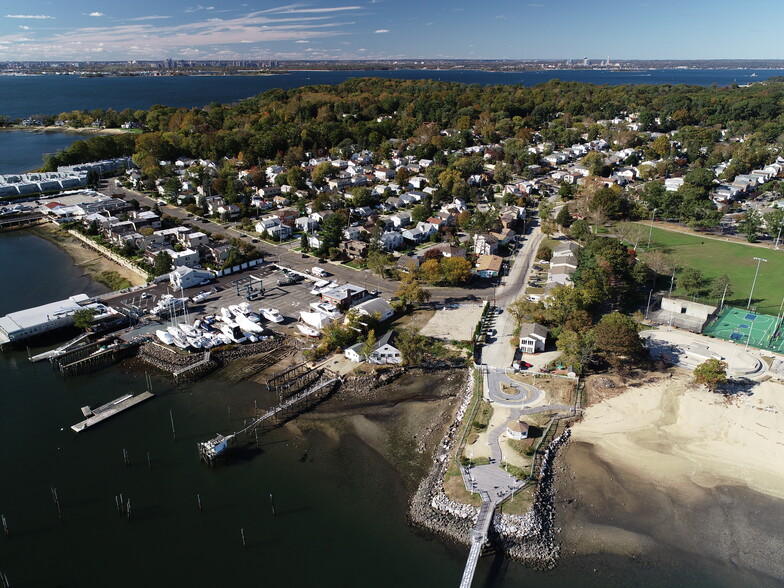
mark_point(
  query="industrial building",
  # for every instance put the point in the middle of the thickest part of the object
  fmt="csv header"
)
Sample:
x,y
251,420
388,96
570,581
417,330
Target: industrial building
x,y
23,324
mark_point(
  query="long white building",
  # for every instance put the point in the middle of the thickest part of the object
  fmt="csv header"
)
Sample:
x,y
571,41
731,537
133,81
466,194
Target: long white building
x,y
22,324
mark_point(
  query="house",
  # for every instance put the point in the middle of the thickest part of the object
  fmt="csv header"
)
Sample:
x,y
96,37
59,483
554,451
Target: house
x,y
446,250
228,211
532,337
375,306
488,266
352,233
401,219
315,242
409,263
213,203
383,351
354,248
217,253
268,192
416,234
186,257
305,223
185,277
194,240
321,215
517,430
391,240
485,244
279,232
384,173
673,184
344,296
280,200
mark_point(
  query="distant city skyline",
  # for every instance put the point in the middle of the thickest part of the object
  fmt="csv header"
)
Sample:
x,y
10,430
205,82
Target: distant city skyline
x,y
82,30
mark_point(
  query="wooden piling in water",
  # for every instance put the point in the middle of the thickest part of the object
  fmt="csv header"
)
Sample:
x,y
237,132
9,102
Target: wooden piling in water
x,y
242,533
5,525
171,418
125,457
198,500
272,503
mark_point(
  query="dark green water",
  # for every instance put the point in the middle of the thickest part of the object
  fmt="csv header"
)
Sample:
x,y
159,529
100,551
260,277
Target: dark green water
x,y
340,513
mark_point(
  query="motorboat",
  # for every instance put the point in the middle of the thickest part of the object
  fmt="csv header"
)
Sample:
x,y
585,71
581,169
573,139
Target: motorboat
x,y
309,331
315,319
318,285
248,325
271,315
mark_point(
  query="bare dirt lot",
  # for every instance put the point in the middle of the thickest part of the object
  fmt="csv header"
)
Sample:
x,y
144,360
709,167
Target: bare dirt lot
x,y
453,324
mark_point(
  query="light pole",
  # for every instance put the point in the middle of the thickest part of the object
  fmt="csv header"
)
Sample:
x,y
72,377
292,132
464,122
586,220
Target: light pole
x,y
650,232
758,260
778,236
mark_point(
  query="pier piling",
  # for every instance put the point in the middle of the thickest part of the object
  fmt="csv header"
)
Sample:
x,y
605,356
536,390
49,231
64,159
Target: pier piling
x,y
125,457
171,418
198,501
129,509
149,463
242,534
272,504
5,525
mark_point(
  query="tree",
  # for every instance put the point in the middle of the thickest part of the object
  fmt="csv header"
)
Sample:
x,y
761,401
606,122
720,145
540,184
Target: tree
x,y
83,318
711,373
618,341
580,229
412,346
162,264
455,270
751,225
549,228
692,281
774,221
378,262
544,252
369,345
721,287
632,233
420,212
410,293
525,311
304,244
564,218
503,173
578,349
321,173
430,271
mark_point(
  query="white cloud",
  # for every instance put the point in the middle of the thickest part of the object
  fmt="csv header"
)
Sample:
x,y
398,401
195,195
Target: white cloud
x,y
294,9
381,31
95,14
151,17
33,16
199,7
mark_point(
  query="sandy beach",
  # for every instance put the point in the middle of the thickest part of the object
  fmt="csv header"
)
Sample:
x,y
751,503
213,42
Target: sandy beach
x,y
670,466
91,262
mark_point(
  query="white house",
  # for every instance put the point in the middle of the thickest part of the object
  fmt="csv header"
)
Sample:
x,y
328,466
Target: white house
x,y
532,337
383,351
391,240
186,277
375,306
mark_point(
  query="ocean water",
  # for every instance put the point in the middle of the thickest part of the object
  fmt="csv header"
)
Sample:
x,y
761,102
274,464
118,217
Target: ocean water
x,y
22,96
340,507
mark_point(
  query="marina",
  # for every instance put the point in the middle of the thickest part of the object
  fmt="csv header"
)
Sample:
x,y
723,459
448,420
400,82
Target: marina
x,y
109,410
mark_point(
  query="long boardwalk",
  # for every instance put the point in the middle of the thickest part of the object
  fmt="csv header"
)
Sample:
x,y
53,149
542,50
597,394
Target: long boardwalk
x,y
478,539
212,449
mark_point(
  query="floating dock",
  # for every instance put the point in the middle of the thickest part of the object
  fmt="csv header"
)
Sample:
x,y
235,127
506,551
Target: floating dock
x,y
109,410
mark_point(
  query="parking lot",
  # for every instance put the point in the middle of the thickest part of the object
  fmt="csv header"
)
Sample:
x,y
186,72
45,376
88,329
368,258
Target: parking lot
x,y
225,291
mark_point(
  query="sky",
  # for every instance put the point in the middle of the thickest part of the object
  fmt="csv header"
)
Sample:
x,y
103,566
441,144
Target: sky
x,y
103,30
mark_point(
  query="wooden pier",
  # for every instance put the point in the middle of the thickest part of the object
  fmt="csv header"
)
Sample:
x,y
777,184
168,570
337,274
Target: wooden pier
x,y
213,449
109,410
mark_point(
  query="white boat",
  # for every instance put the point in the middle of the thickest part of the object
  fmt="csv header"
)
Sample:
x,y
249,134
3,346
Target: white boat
x,y
326,308
200,296
315,319
195,342
164,337
244,308
246,324
309,331
227,315
317,287
187,329
233,333
271,315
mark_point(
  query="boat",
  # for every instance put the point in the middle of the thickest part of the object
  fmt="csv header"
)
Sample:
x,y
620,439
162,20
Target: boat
x,y
314,319
248,325
164,337
227,315
309,331
234,334
271,315
330,310
318,285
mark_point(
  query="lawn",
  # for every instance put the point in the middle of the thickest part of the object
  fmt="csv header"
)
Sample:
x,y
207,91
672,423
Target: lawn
x,y
713,258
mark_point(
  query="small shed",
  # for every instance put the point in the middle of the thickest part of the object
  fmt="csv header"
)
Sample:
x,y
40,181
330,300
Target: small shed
x,y
517,430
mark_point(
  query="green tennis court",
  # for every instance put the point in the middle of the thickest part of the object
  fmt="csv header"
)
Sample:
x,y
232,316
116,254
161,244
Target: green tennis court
x,y
743,326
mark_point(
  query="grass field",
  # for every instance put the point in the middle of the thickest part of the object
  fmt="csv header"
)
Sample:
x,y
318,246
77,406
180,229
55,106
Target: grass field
x,y
714,258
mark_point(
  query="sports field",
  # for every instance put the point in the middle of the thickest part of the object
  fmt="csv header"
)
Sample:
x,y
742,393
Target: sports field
x,y
758,330
714,258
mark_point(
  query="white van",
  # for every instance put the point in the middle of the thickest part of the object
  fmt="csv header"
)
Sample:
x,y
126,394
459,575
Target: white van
x,y
317,271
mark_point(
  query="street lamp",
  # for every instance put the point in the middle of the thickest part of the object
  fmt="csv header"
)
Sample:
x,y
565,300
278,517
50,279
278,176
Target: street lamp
x,y
650,232
778,236
758,260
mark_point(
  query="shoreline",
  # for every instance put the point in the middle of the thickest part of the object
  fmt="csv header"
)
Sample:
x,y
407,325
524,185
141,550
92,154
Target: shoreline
x,y
667,467
67,130
88,260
